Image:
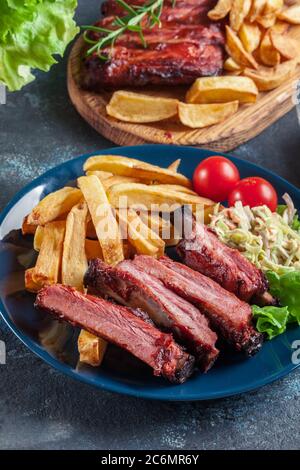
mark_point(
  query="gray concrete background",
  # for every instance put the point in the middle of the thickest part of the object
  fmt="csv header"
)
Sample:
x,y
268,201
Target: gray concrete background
x,y
40,408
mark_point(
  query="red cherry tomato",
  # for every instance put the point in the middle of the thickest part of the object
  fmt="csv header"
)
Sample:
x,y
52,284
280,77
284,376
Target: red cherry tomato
x,y
254,191
215,178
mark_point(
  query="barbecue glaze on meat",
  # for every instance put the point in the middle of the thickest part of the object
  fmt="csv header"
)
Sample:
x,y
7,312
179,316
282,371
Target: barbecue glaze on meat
x,y
227,314
185,47
118,325
204,252
133,287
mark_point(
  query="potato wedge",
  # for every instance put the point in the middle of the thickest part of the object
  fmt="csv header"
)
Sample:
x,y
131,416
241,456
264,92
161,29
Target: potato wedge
x,y
74,260
28,229
287,47
135,107
239,11
268,79
273,6
102,175
256,9
267,21
48,264
222,90
231,66
91,348
237,51
221,10
250,35
290,15
54,205
103,218
143,197
198,116
267,53
38,237
30,284
125,166
175,165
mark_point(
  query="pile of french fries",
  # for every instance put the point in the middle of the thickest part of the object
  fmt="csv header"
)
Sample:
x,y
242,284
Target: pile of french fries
x,y
109,216
263,47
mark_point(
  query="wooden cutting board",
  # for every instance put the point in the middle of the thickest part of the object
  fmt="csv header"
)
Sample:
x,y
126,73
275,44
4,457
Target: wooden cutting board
x,y
247,123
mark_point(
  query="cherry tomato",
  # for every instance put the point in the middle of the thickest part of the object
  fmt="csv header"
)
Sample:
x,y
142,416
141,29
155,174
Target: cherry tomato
x,y
215,178
254,191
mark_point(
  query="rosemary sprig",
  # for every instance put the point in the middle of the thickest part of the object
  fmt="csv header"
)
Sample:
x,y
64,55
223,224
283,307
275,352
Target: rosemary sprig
x,y
131,21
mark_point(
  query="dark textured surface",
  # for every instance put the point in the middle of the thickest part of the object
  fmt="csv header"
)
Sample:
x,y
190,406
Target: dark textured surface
x,y
39,408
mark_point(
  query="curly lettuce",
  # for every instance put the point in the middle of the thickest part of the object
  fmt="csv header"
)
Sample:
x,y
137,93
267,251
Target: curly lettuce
x,y
31,33
270,320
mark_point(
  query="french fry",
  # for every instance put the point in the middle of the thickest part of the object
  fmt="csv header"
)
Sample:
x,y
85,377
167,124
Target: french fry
x,y
136,107
28,229
269,78
164,228
54,205
48,264
102,175
250,35
221,10
256,9
287,47
239,11
267,53
116,179
290,15
175,187
38,237
125,166
267,21
222,90
74,260
198,116
91,348
237,51
103,218
273,6
231,66
30,284
141,196
175,165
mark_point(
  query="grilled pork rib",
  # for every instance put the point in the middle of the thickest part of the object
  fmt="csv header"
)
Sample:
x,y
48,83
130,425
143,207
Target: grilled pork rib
x,y
204,252
118,325
185,47
228,315
135,288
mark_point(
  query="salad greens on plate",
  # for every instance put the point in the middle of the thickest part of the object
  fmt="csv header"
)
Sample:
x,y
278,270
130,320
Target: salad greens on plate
x,y
31,33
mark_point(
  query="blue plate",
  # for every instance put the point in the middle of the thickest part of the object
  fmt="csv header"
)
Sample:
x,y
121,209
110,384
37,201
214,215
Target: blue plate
x,y
55,342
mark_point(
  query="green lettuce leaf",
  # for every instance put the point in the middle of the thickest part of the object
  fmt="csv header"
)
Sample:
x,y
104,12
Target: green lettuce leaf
x,y
287,289
270,320
296,222
31,32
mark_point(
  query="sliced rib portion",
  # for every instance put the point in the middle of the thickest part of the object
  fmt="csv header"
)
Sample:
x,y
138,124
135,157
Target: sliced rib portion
x,y
227,314
204,252
133,287
118,325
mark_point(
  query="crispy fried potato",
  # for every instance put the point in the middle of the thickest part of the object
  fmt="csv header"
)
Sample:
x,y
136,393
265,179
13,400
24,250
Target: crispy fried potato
x,y
221,10
239,11
74,260
267,21
231,66
91,348
28,229
116,179
143,197
144,240
288,47
250,35
203,115
267,53
269,78
135,107
175,165
222,90
273,6
103,218
38,237
54,205
48,264
164,228
291,14
175,187
30,284
102,175
237,51
125,166
256,9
